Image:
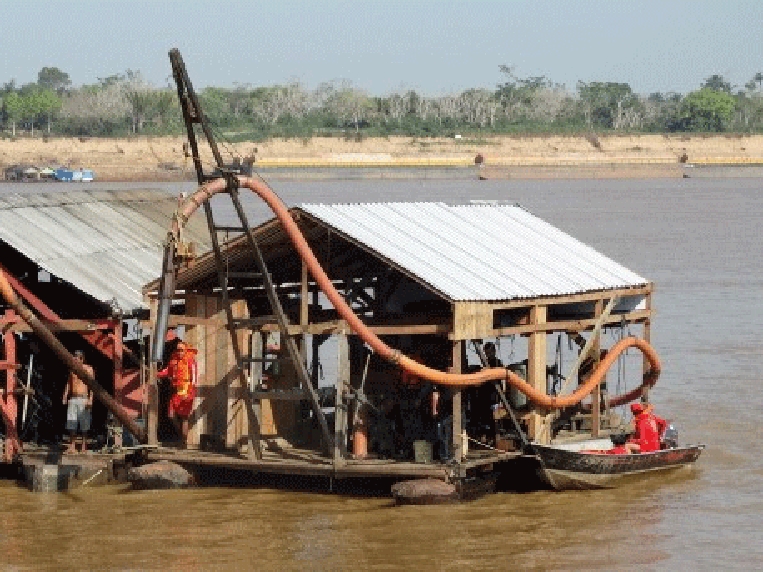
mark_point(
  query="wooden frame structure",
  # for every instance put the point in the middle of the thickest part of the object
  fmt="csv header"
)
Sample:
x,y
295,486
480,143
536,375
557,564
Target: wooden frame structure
x,y
369,283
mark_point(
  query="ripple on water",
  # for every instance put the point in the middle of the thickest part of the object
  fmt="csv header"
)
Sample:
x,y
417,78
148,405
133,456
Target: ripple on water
x,y
698,239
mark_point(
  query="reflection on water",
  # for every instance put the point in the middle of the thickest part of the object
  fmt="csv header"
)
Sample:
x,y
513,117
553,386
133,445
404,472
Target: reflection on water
x,y
697,239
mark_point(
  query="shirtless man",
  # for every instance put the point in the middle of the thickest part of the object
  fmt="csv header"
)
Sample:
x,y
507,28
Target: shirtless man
x,y
79,400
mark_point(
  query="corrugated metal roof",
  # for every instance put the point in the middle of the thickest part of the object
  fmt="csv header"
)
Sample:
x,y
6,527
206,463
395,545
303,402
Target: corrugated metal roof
x,y
477,252
105,243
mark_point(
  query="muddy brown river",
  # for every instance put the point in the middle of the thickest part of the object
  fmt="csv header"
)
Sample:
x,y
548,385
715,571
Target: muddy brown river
x,y
699,240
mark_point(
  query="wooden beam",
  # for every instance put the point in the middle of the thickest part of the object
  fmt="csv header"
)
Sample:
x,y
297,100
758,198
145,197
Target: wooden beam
x,y
152,390
175,320
423,329
339,326
238,400
304,319
316,344
340,416
457,443
576,325
196,336
336,326
304,310
595,343
262,407
279,395
472,320
573,298
648,339
536,372
61,325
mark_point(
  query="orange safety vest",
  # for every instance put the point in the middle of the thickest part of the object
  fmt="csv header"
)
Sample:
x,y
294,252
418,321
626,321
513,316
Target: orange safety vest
x,y
182,372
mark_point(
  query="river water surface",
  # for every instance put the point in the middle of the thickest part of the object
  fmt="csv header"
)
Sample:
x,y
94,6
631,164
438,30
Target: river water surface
x,y
699,240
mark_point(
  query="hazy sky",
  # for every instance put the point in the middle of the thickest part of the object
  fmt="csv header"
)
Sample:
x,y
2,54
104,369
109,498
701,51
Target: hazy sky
x,y
432,46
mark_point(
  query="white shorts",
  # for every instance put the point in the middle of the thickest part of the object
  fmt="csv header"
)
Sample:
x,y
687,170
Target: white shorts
x,y
78,415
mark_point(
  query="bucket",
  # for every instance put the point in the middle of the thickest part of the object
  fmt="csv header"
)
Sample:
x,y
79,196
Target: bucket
x,y
422,451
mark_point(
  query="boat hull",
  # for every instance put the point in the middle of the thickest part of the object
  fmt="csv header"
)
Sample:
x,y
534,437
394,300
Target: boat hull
x,y
564,470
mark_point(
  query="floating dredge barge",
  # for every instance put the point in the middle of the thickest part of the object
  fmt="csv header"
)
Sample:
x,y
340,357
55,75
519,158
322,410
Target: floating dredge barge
x,y
387,292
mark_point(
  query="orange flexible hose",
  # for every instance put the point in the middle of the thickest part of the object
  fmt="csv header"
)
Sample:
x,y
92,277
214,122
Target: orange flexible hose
x,y
280,210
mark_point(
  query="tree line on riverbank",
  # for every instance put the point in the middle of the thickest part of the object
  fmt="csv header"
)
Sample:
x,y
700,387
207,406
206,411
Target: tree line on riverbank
x,y
126,104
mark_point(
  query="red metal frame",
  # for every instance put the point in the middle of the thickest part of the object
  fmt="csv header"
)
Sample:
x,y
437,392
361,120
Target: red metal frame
x,y
8,406
107,339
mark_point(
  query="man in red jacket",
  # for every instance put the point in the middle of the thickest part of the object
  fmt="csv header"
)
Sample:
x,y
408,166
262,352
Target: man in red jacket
x,y
649,430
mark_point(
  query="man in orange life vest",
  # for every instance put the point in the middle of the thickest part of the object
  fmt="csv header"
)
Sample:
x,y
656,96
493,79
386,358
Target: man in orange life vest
x,y
182,372
649,430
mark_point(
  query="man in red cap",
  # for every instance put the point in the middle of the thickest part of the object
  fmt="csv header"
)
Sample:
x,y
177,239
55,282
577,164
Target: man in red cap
x,y
182,372
649,430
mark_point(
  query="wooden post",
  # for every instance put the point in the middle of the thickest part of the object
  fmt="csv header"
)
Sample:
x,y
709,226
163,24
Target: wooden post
x,y
360,429
263,408
304,303
218,346
304,408
457,440
152,391
536,373
316,347
596,395
304,321
196,337
237,416
648,339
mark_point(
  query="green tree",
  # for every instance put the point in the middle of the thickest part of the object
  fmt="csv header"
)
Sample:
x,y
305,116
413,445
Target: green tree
x,y
31,107
346,104
139,95
100,109
707,110
214,102
756,83
662,112
54,79
110,80
49,105
14,109
716,83
605,102
164,107
8,86
524,98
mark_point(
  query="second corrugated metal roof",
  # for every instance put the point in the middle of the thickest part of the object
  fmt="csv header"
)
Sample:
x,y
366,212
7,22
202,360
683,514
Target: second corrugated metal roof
x,y
478,252
105,243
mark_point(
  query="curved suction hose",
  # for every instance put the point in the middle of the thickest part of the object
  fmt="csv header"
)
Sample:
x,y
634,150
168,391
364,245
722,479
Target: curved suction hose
x,y
69,360
206,191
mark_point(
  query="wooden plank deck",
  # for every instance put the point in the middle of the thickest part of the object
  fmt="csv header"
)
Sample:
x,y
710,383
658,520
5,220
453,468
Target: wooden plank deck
x,y
293,461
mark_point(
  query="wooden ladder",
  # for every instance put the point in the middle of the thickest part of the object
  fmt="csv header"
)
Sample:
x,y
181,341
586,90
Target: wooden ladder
x,y
192,114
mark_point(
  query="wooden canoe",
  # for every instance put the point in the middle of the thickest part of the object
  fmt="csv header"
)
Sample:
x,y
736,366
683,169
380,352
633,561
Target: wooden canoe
x,y
563,469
